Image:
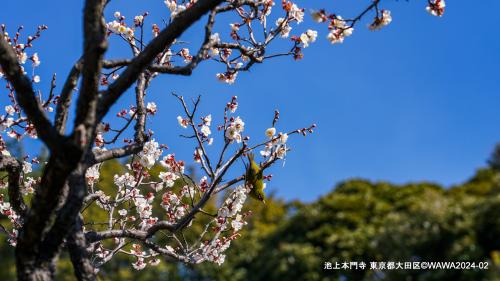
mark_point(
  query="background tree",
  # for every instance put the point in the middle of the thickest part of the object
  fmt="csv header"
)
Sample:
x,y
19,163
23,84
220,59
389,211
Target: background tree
x,y
358,220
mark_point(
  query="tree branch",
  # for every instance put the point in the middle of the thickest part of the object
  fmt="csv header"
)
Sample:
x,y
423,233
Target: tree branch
x,y
95,45
64,102
77,247
14,168
181,22
26,97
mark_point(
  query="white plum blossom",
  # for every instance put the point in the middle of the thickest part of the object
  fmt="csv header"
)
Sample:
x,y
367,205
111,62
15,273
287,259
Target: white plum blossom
x,y
215,38
297,13
339,30
7,123
436,7
150,153
234,26
182,122
10,110
319,16
180,212
126,180
281,151
381,21
171,5
228,77
92,174
188,191
185,54
179,9
205,130
138,20
143,207
285,27
29,186
35,59
168,178
308,37
233,132
198,153
23,58
237,223
233,105
99,140
151,108
270,132
283,137
171,164
139,264
266,152
207,120
203,184
27,167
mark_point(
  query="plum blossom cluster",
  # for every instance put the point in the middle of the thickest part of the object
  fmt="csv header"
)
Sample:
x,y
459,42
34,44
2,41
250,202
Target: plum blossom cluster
x,y
381,20
234,129
277,144
12,122
243,46
340,28
154,193
436,7
7,210
119,26
228,218
15,126
28,186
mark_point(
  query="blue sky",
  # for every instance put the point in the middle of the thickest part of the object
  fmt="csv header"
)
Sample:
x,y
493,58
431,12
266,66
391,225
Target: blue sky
x,y
415,101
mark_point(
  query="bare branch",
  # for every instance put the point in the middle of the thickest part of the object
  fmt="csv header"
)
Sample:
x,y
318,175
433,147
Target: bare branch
x,y
116,153
64,101
95,45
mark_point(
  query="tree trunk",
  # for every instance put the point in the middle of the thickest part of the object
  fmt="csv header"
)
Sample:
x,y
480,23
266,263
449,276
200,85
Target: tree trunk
x,y
77,247
27,271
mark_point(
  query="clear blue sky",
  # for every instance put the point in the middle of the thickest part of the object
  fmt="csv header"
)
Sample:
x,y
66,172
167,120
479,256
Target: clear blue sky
x,y
418,100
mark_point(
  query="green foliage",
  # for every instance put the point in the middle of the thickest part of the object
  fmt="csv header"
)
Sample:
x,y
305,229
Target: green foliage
x,y
358,221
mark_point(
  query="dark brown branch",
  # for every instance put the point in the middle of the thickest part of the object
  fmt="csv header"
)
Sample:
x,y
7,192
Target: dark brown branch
x,y
66,216
64,102
205,160
140,111
51,92
116,153
95,45
179,70
77,247
14,169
